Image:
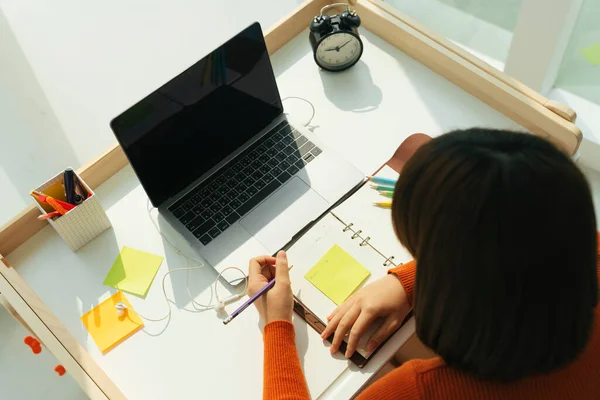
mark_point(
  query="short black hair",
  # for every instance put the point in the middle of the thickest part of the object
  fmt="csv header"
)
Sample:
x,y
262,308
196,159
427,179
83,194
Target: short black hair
x,y
503,230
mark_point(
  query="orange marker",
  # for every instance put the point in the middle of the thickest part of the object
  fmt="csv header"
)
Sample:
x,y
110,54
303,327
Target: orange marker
x,y
56,204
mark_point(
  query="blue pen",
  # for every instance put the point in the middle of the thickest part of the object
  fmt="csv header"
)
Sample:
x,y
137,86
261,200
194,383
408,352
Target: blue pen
x,y
382,181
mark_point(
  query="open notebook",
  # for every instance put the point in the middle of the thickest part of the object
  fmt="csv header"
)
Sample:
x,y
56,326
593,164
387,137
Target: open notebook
x,y
363,231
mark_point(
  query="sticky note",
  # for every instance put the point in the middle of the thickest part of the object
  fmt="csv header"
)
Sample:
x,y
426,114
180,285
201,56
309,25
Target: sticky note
x,y
106,327
592,54
337,274
133,271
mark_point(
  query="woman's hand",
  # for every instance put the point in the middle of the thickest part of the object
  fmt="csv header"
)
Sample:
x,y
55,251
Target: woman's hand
x,y
277,303
383,298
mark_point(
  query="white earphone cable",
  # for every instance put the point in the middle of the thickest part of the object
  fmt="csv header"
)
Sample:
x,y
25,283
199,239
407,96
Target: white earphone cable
x,y
306,101
214,287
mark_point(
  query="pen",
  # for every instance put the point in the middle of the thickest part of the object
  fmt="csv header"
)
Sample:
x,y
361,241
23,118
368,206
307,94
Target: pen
x,y
251,300
42,198
382,187
69,184
382,181
383,204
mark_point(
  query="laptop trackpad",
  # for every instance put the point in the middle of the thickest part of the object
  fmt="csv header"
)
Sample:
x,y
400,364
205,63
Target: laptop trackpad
x,y
283,214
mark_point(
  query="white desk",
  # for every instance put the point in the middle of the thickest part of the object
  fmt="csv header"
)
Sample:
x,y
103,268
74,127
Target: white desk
x,y
364,113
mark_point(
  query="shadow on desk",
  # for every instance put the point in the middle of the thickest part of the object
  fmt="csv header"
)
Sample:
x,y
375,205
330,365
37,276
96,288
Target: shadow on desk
x,y
186,283
353,89
122,183
91,269
432,95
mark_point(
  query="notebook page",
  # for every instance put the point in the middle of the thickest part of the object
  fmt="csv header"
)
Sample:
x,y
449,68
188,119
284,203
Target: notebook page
x,y
374,222
309,249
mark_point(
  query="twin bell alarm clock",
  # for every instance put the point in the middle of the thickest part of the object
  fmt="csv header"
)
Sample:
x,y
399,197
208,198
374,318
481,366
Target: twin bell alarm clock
x,y
334,38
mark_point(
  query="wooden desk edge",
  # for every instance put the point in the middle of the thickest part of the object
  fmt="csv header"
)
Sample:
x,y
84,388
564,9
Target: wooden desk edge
x,y
560,109
491,86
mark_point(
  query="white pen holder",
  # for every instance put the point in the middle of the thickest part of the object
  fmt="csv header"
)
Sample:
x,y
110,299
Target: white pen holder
x,y
79,225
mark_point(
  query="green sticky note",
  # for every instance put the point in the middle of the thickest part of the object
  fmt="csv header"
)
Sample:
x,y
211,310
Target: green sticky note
x,y
592,54
133,271
337,274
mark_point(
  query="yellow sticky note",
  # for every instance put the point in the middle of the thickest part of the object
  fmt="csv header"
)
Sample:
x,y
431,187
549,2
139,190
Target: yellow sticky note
x,y
133,271
337,274
592,54
106,327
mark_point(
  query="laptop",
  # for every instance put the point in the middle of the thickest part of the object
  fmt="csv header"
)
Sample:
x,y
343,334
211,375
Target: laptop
x,y
218,157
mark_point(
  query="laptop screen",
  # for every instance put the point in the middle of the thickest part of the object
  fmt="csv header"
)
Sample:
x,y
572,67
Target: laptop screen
x,y
201,116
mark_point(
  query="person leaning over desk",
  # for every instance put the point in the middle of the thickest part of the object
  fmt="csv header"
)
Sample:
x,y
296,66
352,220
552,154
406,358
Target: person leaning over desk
x,y
504,282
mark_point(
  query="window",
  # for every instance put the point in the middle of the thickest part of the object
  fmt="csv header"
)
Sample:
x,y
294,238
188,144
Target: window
x,y
551,46
579,72
484,27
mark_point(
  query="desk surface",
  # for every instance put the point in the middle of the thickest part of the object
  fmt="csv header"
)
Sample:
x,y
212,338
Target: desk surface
x,y
364,113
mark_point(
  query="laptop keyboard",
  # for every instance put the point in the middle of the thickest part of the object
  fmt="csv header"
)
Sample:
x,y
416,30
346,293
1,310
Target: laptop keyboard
x,y
244,182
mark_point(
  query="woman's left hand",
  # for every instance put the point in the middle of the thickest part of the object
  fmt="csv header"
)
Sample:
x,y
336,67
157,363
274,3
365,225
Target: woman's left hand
x,y
385,298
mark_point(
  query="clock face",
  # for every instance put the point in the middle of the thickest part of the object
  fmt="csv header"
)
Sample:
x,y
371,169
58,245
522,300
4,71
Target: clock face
x,y
338,51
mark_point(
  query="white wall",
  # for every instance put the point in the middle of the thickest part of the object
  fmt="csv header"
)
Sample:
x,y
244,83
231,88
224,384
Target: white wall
x,y
67,67
33,145
94,59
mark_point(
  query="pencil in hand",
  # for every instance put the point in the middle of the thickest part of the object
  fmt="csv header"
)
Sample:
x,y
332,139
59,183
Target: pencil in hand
x,y
251,300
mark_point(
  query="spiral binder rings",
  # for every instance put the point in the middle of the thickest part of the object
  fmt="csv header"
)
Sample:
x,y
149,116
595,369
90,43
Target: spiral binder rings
x,y
358,234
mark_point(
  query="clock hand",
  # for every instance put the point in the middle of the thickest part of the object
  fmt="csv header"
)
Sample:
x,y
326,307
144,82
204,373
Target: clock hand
x,y
339,47
344,44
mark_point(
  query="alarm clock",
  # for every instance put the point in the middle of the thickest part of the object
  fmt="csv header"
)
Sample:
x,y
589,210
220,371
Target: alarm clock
x,y
334,39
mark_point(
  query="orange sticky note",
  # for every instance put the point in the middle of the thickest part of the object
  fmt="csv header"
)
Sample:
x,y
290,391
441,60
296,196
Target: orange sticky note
x,y
106,327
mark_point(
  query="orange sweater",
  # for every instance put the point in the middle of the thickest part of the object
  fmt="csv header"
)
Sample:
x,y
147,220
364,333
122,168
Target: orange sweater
x,y
432,379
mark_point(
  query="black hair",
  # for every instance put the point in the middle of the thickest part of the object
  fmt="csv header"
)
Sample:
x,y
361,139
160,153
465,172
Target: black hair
x,y
503,230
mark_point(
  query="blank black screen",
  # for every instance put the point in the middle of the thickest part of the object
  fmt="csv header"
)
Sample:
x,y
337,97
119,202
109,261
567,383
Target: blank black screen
x,y
194,121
